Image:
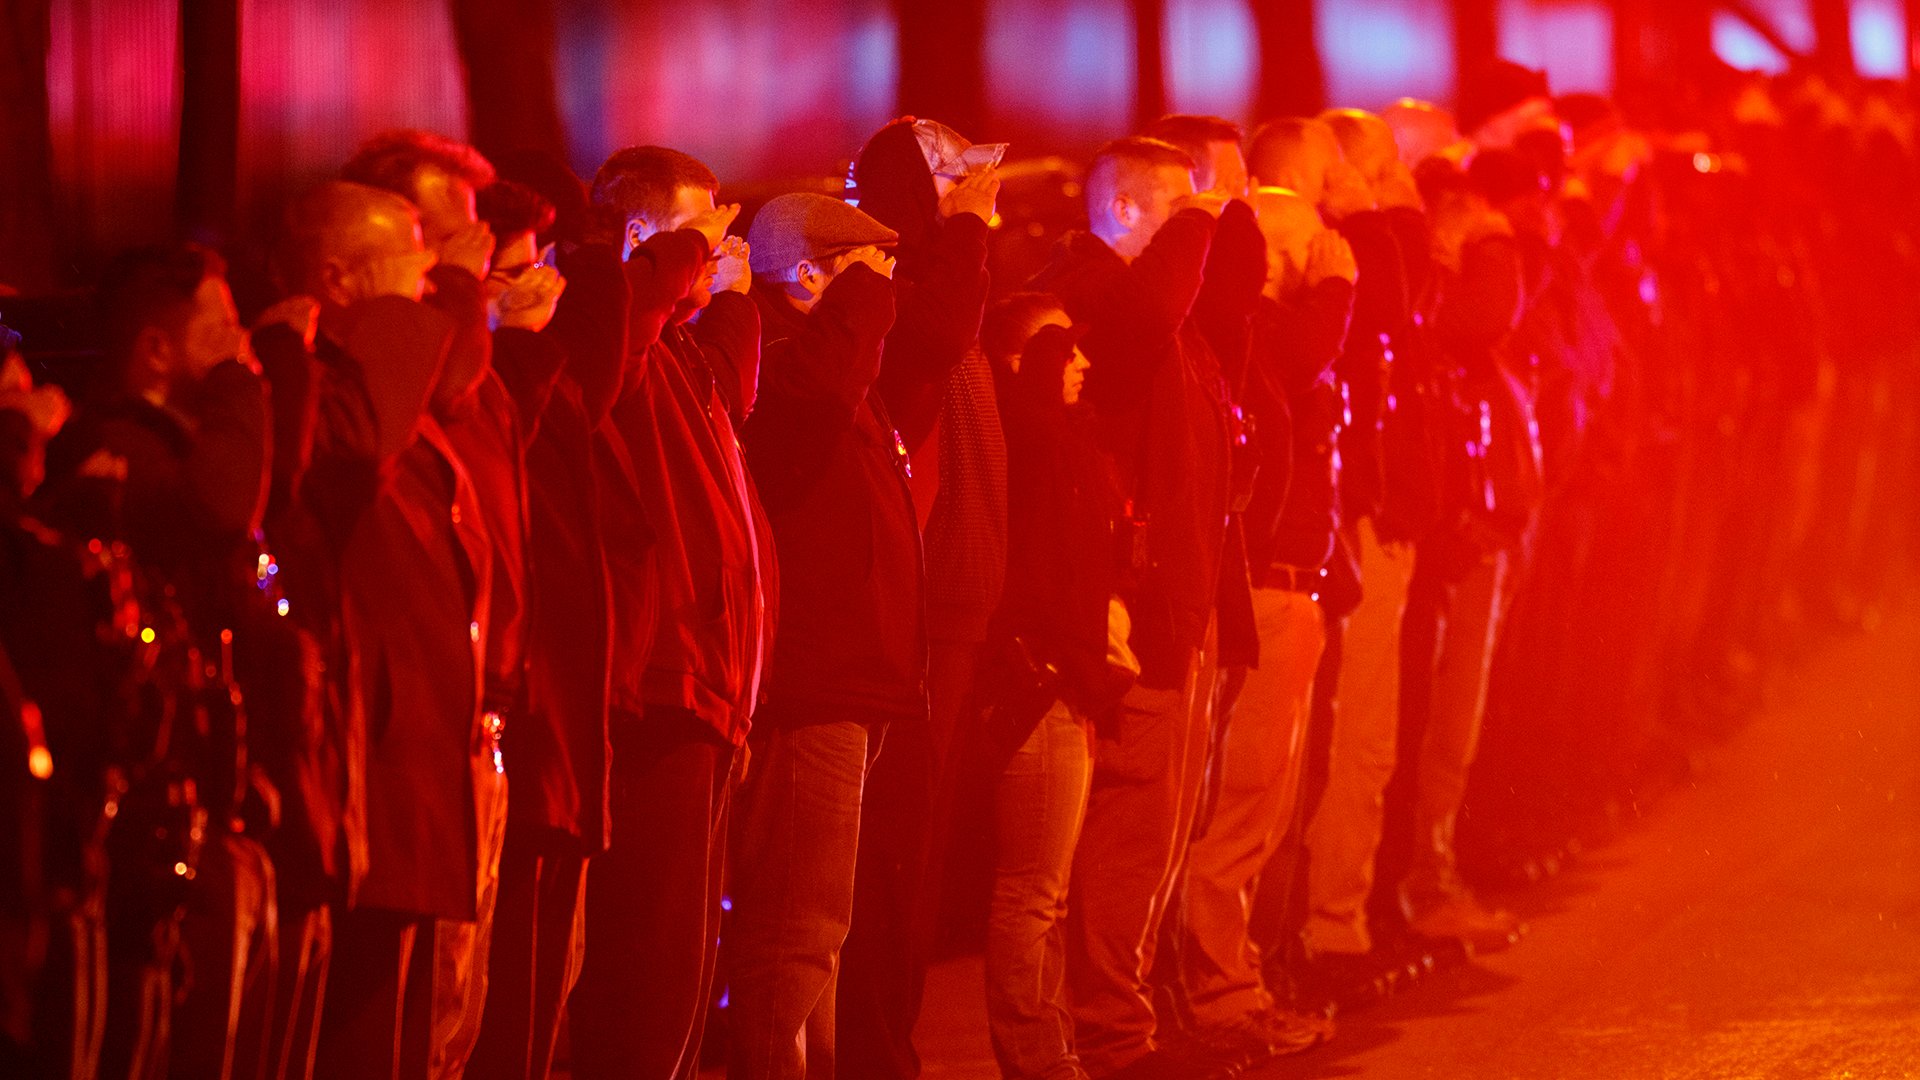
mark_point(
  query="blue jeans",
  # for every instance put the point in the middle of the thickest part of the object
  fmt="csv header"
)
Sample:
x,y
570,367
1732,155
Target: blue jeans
x,y
1038,807
795,839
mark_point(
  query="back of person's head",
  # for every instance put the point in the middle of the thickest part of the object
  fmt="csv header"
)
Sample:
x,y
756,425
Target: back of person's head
x,y
1010,322
642,184
1132,184
1365,141
511,209
151,290
1289,221
1421,130
547,174
891,181
1288,153
439,175
393,160
1206,139
338,228
1500,100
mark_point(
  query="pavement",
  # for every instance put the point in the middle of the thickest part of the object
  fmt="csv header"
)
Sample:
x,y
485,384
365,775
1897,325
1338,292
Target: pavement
x,y
1762,923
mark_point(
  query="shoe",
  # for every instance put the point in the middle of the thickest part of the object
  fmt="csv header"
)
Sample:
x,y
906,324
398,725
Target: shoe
x,y
1167,1065
1332,981
1278,1032
1463,919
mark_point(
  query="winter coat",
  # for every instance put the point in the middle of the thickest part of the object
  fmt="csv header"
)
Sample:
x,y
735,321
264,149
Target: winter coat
x,y
832,473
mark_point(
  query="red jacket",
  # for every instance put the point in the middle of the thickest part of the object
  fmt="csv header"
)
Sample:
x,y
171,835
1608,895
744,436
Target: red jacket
x,y
712,559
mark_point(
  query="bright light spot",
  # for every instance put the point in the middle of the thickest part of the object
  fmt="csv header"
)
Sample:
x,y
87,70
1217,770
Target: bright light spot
x,y
1377,50
180,869
1736,43
1211,56
1571,39
1880,38
282,607
147,635
1065,65
40,762
1792,18
726,903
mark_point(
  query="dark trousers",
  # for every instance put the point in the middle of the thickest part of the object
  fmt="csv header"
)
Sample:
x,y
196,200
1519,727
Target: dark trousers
x,y
536,954
141,950
796,838
230,938
897,880
66,1013
653,902
306,948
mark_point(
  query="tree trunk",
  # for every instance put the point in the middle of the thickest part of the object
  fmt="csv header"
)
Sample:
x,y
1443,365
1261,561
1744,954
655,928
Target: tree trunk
x,y
26,182
207,178
1292,82
942,62
1149,61
1833,36
1476,37
507,50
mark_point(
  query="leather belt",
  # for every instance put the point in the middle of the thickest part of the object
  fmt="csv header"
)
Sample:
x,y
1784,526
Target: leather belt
x,y
1294,579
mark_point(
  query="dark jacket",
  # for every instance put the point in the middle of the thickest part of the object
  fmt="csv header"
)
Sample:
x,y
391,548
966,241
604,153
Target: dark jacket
x,y
1161,399
832,472
189,509
712,561
1061,505
1382,308
1292,517
938,389
343,416
490,434
557,754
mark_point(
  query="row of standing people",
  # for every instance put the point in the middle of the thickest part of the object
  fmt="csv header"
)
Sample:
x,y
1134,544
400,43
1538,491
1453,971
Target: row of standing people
x,y
721,555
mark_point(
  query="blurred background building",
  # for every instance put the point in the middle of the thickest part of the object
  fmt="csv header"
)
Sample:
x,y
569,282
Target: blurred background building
x,y
124,118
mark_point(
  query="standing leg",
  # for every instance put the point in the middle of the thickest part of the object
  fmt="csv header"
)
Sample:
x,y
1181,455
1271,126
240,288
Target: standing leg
x,y
650,901
1039,804
1126,857
796,833
1345,832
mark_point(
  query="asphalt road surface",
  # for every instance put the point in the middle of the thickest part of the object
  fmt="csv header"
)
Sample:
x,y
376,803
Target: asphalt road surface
x,y
1763,924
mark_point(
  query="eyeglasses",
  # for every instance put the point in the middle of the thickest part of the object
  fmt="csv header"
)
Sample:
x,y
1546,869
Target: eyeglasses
x,y
507,275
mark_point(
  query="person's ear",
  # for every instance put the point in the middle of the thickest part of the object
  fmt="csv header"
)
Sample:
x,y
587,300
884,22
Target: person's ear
x,y
1126,212
637,232
154,352
336,284
812,276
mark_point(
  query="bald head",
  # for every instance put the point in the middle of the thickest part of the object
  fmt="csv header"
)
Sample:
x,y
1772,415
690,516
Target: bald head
x,y
1365,140
1289,221
1422,130
353,242
1302,154
1132,186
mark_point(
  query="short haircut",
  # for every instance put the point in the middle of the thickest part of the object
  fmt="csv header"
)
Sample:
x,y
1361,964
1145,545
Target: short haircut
x,y
391,160
1277,143
642,182
1010,323
1193,133
1122,163
151,286
510,209
325,222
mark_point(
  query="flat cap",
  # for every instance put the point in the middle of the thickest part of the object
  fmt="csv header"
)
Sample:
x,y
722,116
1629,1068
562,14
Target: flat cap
x,y
805,225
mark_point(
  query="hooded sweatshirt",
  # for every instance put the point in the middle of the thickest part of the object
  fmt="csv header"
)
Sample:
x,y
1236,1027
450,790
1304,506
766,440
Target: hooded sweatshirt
x,y
939,387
